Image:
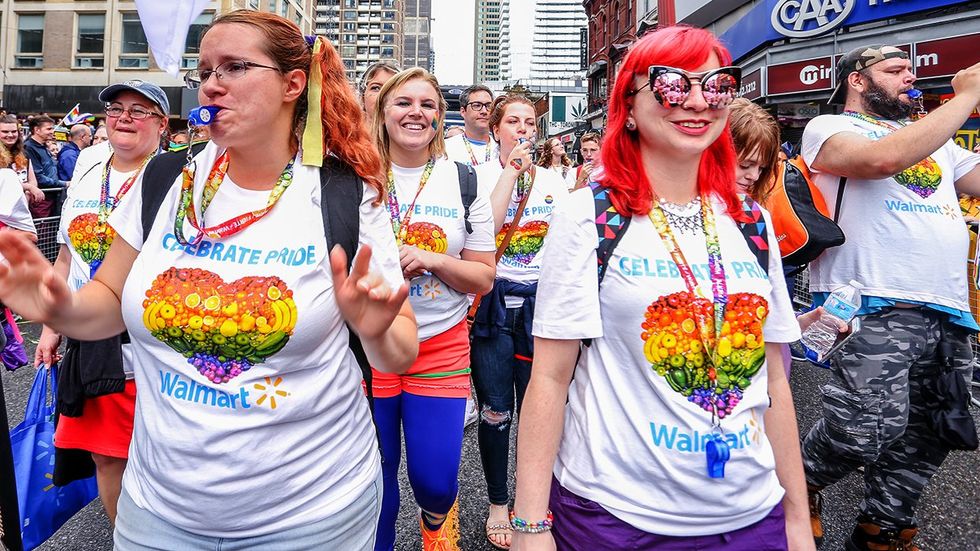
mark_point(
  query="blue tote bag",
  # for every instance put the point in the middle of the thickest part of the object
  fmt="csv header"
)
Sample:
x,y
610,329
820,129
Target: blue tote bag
x,y
44,507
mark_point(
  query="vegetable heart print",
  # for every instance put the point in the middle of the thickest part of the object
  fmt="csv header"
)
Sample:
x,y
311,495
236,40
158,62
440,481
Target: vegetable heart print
x,y
526,241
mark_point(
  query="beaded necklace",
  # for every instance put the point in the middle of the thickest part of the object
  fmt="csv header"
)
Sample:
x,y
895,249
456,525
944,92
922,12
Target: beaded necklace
x,y
872,120
185,206
398,224
107,204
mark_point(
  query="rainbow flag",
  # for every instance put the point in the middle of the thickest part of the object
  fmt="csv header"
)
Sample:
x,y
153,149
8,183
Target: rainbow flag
x,y
73,117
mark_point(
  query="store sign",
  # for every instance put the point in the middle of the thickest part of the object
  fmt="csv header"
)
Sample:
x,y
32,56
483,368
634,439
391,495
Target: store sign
x,y
751,85
809,75
583,44
946,56
967,139
772,20
943,98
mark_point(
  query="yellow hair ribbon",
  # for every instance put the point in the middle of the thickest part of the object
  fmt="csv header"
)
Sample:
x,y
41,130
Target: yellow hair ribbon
x,y
313,131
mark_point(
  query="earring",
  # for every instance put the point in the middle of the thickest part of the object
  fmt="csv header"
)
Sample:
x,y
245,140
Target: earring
x,y
630,125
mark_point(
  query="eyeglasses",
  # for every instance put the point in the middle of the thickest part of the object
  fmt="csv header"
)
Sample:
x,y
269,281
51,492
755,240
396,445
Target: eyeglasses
x,y
479,105
671,86
231,70
135,112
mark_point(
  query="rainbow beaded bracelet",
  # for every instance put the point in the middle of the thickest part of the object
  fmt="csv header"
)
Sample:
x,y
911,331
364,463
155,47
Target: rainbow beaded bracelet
x,y
524,527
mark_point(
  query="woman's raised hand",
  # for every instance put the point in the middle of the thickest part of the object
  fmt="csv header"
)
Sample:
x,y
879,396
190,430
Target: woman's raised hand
x,y
29,284
520,157
365,300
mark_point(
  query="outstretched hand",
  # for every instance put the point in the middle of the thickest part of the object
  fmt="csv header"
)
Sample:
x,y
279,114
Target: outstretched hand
x,y
29,284
365,300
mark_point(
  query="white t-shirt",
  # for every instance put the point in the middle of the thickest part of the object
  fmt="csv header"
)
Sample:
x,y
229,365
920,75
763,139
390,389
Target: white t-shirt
x,y
281,444
14,211
437,225
457,150
914,216
631,442
79,222
521,262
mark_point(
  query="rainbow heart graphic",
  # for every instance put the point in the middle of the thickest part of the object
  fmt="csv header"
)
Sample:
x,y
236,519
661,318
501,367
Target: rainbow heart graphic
x,y
83,231
922,178
526,241
673,346
223,329
426,236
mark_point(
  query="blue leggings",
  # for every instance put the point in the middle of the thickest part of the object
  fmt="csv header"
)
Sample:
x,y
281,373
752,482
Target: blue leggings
x,y
433,446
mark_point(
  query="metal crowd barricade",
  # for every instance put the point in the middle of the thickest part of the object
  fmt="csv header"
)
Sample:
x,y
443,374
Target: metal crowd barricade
x,y
47,236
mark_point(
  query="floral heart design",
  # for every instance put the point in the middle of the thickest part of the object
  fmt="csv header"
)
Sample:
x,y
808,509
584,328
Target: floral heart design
x,y
674,348
223,329
526,241
426,236
83,231
922,178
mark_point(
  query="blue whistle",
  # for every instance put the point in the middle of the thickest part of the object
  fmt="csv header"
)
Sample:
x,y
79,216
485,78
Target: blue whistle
x,y
718,453
203,115
914,94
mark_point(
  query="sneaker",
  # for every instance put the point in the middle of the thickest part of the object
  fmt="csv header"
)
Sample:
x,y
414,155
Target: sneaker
x,y
816,506
446,538
797,351
471,413
868,536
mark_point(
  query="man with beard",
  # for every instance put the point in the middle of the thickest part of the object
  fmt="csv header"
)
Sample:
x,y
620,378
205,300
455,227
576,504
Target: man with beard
x,y
907,246
473,146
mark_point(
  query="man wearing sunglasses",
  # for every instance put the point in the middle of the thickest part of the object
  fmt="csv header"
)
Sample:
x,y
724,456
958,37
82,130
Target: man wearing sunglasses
x,y
897,185
473,146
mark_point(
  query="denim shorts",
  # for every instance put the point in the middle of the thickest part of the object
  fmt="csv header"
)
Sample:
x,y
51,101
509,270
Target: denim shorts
x,y
353,528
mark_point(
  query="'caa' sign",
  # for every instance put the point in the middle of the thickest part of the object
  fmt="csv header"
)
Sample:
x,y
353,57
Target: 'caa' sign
x,y
806,18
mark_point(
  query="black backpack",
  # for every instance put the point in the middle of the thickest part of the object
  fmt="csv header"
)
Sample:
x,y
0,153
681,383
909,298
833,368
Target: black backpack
x,y
341,213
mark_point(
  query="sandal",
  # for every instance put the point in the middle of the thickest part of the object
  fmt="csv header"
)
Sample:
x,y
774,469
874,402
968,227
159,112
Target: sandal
x,y
498,529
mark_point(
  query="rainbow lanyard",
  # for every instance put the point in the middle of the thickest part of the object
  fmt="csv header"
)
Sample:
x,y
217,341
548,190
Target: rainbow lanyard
x,y
719,287
107,204
185,207
398,224
469,149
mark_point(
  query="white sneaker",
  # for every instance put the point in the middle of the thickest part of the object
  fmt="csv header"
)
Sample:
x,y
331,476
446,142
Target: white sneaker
x,y
471,413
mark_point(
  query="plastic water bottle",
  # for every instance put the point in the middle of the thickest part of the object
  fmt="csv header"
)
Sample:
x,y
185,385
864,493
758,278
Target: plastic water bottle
x,y
841,305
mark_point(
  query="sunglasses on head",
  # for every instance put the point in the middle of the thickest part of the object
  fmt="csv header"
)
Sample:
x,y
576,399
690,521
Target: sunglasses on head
x,y
672,86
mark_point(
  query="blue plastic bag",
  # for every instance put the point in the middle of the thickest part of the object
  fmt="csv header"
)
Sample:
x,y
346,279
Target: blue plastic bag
x,y
44,507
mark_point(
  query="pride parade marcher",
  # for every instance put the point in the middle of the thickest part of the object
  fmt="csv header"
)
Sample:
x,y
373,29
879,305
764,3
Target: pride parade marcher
x,y
590,146
251,428
679,430
374,77
12,156
502,342
444,256
907,245
96,391
473,146
554,158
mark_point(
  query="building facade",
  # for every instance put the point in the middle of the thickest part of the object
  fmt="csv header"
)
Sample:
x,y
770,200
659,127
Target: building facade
x,y
612,30
57,53
364,31
486,35
557,43
417,42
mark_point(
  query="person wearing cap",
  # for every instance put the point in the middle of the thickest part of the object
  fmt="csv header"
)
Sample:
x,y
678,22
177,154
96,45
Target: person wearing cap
x,y
96,392
906,245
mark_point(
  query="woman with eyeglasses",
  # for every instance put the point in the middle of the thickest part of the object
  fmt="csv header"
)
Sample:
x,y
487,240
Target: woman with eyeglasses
x,y
502,342
446,253
96,391
679,430
251,431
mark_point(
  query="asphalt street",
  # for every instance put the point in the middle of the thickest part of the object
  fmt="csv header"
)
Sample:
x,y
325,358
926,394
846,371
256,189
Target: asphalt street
x,y
949,513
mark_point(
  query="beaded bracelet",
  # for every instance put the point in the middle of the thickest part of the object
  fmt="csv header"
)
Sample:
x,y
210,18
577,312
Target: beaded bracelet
x,y
524,527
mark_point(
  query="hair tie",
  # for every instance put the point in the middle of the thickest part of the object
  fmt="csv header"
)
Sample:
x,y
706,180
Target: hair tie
x,y
313,132
310,39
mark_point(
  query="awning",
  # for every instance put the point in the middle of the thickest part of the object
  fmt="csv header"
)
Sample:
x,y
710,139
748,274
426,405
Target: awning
x,y
596,67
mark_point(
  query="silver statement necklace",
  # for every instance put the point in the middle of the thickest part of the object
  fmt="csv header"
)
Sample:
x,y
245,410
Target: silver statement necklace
x,y
684,218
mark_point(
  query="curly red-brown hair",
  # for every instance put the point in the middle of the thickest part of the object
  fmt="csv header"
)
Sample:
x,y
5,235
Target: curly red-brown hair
x,y
344,132
685,48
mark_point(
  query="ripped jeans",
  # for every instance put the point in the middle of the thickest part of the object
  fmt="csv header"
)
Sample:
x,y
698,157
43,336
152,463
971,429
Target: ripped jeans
x,y
501,370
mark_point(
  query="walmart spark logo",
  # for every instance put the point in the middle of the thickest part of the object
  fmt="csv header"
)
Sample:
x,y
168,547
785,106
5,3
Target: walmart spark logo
x,y
269,391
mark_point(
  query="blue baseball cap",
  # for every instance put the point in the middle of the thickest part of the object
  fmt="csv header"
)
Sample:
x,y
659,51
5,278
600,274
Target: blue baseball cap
x,y
148,90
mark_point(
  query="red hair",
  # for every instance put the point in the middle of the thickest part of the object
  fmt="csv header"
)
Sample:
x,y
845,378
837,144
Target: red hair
x,y
685,48
344,132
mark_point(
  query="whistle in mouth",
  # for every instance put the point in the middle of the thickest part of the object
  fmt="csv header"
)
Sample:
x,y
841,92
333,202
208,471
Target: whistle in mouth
x,y
203,115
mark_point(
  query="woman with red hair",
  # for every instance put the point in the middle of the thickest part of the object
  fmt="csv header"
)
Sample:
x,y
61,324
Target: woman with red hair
x,y
251,428
679,430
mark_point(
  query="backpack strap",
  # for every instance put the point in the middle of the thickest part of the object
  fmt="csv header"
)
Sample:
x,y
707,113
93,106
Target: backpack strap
x,y
609,224
467,191
840,197
754,230
159,176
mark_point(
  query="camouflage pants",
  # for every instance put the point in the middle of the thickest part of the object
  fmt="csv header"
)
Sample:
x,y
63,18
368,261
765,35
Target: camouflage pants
x,y
874,415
